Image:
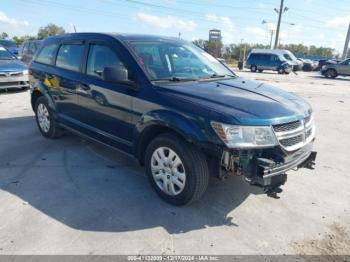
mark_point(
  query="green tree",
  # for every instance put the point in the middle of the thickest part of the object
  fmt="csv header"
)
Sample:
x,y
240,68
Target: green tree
x,y
50,30
4,35
20,40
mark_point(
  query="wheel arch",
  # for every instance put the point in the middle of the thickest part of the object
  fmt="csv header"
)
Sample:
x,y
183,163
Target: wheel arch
x,y
161,122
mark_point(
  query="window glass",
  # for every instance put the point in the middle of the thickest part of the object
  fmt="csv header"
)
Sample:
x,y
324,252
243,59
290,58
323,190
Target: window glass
x,y
101,56
25,47
31,48
165,60
46,54
6,55
70,56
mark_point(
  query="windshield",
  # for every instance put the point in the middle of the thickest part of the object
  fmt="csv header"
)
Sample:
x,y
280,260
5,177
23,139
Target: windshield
x,y
177,61
7,43
6,55
287,57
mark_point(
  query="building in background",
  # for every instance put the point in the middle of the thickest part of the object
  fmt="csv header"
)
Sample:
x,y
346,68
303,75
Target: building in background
x,y
215,43
215,35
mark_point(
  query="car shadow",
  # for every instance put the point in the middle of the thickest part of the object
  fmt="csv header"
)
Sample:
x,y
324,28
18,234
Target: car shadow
x,y
13,90
87,186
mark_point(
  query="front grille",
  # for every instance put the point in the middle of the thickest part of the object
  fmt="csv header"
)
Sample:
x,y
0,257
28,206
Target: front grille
x,y
308,133
307,119
294,135
287,127
7,74
10,83
292,141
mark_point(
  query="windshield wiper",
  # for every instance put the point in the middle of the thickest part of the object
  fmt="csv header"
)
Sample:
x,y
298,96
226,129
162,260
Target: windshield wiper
x,y
176,79
220,76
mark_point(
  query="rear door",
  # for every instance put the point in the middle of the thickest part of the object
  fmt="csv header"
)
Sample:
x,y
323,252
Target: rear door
x,y
65,79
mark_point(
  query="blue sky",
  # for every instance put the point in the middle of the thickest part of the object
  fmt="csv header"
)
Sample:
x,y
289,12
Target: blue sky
x,y
318,22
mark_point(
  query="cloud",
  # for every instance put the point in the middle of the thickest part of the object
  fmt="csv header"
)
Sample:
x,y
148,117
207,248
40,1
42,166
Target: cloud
x,y
340,21
12,21
226,23
257,31
166,22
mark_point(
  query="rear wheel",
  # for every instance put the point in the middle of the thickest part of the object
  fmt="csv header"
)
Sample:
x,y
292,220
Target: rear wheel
x,y
330,73
45,120
253,68
177,170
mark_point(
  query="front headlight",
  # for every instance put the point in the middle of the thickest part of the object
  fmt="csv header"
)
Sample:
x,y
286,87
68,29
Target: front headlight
x,y
245,136
323,67
25,72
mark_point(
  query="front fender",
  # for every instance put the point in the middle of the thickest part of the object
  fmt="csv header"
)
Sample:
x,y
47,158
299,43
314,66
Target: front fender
x,y
193,129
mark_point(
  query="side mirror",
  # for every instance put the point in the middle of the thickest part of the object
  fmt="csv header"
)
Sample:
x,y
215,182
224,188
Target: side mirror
x,y
117,74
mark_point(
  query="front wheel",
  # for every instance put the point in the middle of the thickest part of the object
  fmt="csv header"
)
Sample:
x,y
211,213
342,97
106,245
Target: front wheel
x,y
177,170
281,70
253,68
330,73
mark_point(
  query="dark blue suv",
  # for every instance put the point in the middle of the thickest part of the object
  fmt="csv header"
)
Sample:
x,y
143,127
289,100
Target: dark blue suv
x,y
178,110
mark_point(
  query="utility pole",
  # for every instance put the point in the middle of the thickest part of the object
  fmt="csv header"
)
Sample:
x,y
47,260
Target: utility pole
x,y
346,46
240,50
280,12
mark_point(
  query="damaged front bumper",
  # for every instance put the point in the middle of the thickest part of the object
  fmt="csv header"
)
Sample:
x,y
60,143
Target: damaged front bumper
x,y
266,167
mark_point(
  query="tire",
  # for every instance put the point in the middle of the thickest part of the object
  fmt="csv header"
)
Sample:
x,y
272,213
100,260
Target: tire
x,y
253,68
330,73
281,70
42,111
260,70
193,172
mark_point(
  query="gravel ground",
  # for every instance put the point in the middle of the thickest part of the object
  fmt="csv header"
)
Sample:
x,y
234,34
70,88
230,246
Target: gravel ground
x,y
70,196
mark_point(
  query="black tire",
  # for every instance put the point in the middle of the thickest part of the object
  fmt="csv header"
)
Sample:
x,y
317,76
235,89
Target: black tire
x,y
330,73
54,130
195,166
260,70
253,68
281,70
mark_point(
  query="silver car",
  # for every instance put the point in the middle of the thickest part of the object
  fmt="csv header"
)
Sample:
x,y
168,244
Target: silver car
x,y
13,72
334,70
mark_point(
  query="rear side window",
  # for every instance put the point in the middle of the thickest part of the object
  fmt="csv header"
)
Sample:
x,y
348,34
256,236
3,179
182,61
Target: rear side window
x,y
46,54
70,56
101,56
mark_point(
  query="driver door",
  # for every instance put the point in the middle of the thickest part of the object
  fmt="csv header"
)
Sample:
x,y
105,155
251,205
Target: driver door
x,y
105,108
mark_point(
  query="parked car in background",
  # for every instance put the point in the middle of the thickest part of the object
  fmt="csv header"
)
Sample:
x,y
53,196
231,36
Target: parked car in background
x,y
289,56
184,121
322,62
268,61
334,70
13,72
308,64
28,49
297,64
9,45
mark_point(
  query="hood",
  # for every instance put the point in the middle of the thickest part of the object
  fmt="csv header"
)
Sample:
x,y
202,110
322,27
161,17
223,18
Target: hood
x,y
241,101
12,65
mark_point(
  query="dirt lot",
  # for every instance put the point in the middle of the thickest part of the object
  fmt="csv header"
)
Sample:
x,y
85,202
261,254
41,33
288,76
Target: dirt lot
x,y
70,196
